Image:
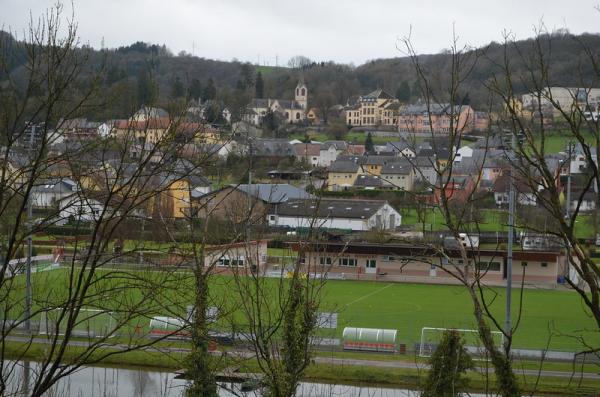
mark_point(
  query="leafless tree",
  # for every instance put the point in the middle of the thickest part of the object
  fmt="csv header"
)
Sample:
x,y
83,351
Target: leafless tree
x,y
533,125
120,184
462,261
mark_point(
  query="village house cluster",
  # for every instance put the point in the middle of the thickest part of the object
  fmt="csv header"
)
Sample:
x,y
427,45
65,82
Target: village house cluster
x,y
283,200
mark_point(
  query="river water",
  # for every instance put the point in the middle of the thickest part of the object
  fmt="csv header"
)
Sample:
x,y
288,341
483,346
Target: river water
x,y
117,382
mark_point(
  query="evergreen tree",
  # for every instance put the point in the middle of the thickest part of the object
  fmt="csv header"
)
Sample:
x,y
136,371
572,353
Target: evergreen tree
x,y
415,91
466,100
449,364
147,91
403,92
195,89
210,91
177,90
369,147
259,86
246,72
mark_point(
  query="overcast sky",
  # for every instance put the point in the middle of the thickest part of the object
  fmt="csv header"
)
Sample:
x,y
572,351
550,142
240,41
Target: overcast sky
x,y
270,31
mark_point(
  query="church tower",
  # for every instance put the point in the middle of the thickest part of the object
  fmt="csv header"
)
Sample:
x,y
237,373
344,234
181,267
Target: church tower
x,y
302,94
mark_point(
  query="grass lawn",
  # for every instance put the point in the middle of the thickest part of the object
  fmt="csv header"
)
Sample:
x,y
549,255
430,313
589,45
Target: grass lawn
x,y
555,142
492,221
558,315
360,137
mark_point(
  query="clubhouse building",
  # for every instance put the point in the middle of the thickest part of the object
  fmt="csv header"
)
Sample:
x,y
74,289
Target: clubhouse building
x,y
421,264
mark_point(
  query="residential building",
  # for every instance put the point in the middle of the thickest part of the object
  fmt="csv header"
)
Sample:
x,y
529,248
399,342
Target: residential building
x,y
314,116
82,129
174,200
425,170
566,98
458,188
481,121
47,194
398,175
270,147
308,153
76,208
525,193
231,203
342,174
330,150
374,109
436,118
346,214
400,148
349,172
146,113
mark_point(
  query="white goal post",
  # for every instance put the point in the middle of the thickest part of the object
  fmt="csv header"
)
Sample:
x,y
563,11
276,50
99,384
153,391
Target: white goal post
x,y
431,336
90,323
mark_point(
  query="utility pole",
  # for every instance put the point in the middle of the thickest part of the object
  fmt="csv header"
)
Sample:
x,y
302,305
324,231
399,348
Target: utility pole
x,y
28,294
509,251
568,205
249,139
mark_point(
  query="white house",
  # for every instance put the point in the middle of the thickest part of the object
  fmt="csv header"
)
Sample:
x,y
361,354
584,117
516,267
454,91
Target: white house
x,y
463,152
356,215
79,209
330,150
400,148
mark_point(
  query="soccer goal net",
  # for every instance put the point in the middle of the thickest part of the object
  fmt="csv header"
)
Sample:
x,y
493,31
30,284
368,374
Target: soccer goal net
x,y
431,337
90,323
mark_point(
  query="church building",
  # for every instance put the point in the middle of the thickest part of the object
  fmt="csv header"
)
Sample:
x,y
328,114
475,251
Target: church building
x,y
292,111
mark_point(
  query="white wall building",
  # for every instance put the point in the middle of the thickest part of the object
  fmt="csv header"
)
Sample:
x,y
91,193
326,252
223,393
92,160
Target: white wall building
x,y
79,209
355,215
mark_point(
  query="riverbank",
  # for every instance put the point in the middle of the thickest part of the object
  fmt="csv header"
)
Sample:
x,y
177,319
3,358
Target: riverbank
x,y
555,379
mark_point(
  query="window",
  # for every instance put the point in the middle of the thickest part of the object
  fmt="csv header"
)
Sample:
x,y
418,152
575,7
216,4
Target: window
x,y
348,262
297,116
237,262
325,260
223,261
272,217
371,264
388,258
488,266
544,264
303,92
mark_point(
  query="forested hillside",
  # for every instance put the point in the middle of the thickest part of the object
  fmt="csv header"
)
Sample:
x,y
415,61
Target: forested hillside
x,y
146,73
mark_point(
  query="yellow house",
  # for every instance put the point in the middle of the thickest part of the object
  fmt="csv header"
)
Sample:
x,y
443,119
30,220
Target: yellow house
x,y
342,174
152,131
375,108
175,199
314,116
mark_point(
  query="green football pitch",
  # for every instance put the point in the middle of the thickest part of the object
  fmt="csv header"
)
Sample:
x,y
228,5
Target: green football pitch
x,y
548,317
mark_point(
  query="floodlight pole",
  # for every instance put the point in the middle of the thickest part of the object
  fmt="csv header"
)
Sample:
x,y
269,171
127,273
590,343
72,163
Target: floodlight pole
x,y
28,294
509,250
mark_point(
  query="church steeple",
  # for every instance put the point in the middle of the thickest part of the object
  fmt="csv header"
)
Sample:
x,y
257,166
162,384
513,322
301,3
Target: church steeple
x,y
302,93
